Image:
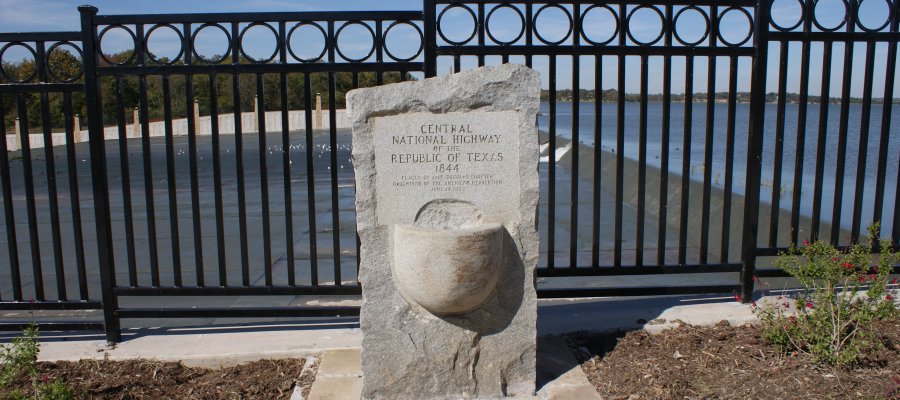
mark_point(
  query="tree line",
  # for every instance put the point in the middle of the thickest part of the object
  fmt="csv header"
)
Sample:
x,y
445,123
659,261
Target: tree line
x,y
64,64
612,95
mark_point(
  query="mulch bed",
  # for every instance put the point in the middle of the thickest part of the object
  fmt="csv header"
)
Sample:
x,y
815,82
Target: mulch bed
x,y
726,362
144,379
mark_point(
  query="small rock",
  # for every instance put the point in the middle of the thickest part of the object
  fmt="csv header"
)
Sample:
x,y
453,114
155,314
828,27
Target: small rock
x,y
677,355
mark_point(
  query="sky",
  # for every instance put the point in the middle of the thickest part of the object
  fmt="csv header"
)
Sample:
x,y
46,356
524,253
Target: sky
x,y
552,24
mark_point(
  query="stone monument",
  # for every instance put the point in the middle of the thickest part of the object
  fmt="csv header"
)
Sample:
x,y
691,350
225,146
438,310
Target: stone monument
x,y
446,200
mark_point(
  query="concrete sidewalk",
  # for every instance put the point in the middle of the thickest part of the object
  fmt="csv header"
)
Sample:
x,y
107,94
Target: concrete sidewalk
x,y
225,344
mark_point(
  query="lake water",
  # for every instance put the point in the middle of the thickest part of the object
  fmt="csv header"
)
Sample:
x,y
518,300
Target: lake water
x,y
698,132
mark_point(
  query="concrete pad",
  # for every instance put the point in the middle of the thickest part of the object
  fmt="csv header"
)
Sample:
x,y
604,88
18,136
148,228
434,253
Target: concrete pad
x,y
339,376
336,389
559,374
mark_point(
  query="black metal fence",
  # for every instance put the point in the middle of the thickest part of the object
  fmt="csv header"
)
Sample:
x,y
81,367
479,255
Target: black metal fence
x,y
236,184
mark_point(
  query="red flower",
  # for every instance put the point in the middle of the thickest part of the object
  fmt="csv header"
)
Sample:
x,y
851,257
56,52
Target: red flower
x,y
847,265
737,297
45,378
862,279
889,297
835,259
894,281
809,304
806,242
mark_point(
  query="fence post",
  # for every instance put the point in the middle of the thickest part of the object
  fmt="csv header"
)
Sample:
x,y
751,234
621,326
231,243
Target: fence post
x,y
136,122
197,117
98,174
754,148
18,133
318,118
76,127
256,113
429,38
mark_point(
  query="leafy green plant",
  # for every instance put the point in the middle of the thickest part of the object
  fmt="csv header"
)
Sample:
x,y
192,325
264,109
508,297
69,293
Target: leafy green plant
x,y
19,359
844,294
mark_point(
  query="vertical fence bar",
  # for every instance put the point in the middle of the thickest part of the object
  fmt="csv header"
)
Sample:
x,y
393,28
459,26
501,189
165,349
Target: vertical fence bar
x,y
74,197
264,179
887,106
429,37
551,168
148,174
217,177
98,173
664,144
729,159
686,158
286,157
335,196
52,196
481,30
192,124
843,123
863,143
708,156
573,216
8,214
642,166
332,141
620,143
310,182
598,166
779,143
239,154
170,177
802,106
824,100
126,182
50,165
36,265
754,149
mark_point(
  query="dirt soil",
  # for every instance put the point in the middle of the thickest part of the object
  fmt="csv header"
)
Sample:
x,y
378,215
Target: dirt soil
x,y
143,379
726,362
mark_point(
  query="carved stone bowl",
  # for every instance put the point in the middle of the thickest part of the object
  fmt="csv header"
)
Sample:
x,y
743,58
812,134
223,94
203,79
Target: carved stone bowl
x,y
448,271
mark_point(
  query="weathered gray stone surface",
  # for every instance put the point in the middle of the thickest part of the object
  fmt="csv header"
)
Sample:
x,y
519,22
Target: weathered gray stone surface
x,y
409,352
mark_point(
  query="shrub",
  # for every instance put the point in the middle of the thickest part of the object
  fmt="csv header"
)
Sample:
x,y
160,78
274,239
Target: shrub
x,y
844,293
19,360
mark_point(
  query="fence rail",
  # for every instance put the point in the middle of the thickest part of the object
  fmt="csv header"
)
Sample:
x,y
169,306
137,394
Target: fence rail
x,y
708,177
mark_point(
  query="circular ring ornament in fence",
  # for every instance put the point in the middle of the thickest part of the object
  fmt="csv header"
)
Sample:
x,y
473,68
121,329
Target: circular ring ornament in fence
x,y
152,56
6,73
133,40
324,42
205,60
786,28
706,30
886,13
58,76
749,27
615,31
388,50
518,13
662,25
815,18
248,56
537,32
337,41
440,23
